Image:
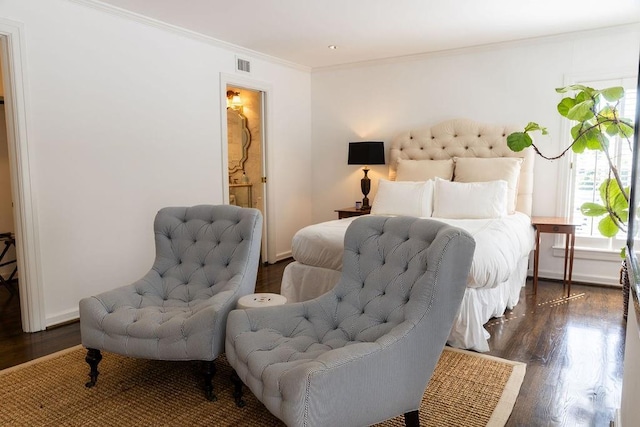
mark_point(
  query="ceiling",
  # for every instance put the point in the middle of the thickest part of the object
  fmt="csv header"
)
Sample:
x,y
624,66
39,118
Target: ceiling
x,y
300,31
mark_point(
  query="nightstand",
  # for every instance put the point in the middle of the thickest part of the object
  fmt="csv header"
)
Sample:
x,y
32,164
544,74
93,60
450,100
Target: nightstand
x,y
349,212
560,225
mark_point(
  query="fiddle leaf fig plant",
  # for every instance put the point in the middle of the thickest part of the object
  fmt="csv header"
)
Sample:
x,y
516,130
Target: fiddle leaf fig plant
x,y
597,120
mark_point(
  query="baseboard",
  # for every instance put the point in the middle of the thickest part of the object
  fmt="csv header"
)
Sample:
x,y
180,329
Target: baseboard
x,y
283,255
64,317
580,278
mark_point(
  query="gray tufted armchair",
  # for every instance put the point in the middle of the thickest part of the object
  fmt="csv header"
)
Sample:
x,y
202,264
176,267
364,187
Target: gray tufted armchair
x,y
365,351
206,258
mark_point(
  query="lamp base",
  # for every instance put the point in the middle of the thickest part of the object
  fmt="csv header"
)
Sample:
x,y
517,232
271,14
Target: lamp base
x,y
365,204
365,186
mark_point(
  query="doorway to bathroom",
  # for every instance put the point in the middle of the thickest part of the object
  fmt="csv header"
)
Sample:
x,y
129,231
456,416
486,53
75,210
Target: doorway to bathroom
x,y
8,256
245,152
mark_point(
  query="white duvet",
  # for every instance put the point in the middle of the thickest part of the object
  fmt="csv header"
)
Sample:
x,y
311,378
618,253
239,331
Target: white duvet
x,y
500,244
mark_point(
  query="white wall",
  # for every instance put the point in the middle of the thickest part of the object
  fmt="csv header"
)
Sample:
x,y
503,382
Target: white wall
x,y
509,83
124,118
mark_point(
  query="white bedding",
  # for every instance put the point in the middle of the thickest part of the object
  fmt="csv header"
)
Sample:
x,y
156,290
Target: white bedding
x,y
500,245
498,271
468,153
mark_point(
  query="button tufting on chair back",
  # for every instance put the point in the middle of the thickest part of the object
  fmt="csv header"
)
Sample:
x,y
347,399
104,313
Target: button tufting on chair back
x,y
206,259
196,254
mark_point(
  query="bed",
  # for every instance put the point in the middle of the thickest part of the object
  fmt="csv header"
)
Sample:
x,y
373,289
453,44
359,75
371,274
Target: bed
x,y
460,172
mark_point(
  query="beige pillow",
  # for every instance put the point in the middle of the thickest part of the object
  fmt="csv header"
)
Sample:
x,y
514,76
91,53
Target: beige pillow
x,y
424,170
474,169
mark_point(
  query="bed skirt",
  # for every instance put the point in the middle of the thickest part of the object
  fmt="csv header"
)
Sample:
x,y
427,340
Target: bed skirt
x,y
302,282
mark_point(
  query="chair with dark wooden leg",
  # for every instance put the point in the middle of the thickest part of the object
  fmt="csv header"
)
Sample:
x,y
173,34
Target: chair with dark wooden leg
x,y
206,259
365,351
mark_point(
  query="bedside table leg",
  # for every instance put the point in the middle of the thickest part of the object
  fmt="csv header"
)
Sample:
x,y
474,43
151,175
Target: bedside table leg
x,y
536,257
567,240
571,250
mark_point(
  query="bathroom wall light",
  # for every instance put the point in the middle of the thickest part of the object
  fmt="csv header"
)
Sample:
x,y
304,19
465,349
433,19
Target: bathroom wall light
x,y
233,100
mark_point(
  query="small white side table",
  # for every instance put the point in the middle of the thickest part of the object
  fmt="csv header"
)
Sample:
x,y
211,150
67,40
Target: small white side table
x,y
261,300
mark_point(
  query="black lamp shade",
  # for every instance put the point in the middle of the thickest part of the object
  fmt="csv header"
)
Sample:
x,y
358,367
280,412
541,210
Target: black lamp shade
x,y
366,153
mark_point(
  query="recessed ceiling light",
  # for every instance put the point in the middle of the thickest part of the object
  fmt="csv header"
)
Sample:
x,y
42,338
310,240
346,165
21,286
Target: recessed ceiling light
x,y
333,47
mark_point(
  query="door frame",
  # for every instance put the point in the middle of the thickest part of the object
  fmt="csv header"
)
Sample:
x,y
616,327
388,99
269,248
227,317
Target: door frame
x,y
14,71
266,89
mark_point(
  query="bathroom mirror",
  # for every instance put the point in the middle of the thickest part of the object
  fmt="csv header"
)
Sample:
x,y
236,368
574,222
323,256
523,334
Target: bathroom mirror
x,y
239,139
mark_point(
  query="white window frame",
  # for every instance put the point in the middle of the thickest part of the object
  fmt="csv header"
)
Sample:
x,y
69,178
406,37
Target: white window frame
x,y
591,248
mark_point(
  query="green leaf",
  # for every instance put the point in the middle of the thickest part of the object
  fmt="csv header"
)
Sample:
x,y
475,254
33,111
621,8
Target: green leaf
x,y
572,87
581,111
575,130
609,189
595,140
612,129
619,203
579,144
613,94
583,96
592,209
624,216
565,105
518,141
533,126
626,128
614,199
607,227
606,114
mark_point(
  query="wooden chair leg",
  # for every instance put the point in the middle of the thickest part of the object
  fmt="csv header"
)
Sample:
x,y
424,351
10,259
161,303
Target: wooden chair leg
x,y
412,419
93,357
209,373
237,390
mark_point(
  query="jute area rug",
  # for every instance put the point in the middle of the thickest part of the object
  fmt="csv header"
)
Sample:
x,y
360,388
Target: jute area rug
x,y
467,389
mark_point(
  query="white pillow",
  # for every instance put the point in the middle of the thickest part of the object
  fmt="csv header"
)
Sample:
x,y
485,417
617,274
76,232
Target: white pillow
x,y
470,199
424,170
474,169
403,198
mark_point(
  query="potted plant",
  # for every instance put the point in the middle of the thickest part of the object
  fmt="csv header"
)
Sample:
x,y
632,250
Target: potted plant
x,y
596,120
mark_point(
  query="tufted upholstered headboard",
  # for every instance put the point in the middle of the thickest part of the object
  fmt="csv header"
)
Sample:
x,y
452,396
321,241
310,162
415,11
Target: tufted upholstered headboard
x,y
464,138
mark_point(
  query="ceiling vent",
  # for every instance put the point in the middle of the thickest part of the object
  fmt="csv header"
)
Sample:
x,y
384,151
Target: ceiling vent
x,y
243,65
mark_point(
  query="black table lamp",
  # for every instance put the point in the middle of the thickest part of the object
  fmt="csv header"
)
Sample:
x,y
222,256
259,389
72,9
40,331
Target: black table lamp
x,y
366,153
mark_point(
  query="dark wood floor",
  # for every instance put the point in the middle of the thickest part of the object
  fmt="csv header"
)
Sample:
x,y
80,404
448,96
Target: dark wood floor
x,y
573,349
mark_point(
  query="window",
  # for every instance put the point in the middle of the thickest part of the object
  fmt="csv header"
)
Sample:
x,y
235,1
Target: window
x,y
590,168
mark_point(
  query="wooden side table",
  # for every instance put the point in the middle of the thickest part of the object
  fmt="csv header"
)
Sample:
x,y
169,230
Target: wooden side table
x,y
566,226
349,212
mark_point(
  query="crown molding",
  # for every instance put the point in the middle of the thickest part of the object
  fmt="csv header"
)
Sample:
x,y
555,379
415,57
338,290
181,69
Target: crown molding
x,y
145,20
481,48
